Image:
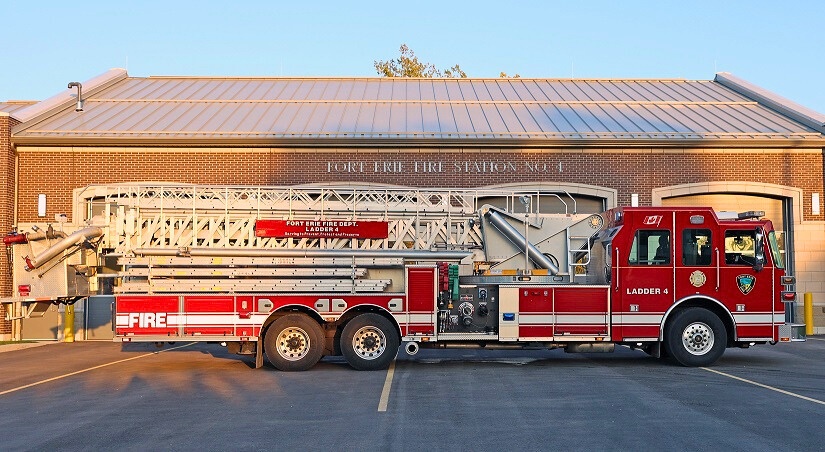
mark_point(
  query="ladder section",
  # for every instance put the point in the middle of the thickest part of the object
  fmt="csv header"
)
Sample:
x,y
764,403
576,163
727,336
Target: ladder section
x,y
136,216
159,274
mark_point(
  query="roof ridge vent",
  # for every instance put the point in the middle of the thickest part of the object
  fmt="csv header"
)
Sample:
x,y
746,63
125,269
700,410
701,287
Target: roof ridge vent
x,y
66,97
79,86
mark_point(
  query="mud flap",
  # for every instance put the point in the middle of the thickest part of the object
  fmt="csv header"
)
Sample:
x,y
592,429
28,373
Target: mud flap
x,y
259,353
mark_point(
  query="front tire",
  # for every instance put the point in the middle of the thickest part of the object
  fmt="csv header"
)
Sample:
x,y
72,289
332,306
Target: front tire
x,y
369,342
294,342
696,337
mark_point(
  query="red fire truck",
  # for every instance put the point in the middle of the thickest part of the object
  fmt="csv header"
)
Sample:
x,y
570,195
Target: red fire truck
x,y
297,273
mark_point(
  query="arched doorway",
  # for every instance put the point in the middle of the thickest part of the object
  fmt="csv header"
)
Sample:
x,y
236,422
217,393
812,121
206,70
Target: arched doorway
x,y
781,204
580,198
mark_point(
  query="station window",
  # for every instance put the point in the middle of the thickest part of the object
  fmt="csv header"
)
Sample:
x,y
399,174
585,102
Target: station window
x,y
696,247
739,247
650,247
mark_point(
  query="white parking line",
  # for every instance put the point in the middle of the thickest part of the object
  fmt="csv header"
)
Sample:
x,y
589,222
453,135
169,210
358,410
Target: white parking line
x,y
816,339
385,393
8,391
782,391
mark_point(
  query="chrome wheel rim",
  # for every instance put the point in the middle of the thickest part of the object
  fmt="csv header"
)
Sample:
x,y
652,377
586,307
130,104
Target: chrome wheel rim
x,y
293,343
697,338
369,343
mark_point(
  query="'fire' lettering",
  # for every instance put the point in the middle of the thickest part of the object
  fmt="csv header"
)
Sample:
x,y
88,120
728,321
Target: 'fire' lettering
x,y
147,319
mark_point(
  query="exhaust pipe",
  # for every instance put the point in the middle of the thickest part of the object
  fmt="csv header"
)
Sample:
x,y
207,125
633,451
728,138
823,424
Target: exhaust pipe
x,y
411,348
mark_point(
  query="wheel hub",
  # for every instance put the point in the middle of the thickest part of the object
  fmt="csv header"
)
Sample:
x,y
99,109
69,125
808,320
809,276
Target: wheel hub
x,y
293,344
369,342
698,338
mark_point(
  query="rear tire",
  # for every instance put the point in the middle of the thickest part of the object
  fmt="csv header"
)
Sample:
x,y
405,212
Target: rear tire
x,y
369,342
696,337
294,342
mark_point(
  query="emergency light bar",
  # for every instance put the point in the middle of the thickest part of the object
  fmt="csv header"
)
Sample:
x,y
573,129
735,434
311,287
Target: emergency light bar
x,y
749,215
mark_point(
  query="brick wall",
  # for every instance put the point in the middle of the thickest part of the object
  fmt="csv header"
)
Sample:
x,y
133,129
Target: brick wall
x,y
6,211
56,172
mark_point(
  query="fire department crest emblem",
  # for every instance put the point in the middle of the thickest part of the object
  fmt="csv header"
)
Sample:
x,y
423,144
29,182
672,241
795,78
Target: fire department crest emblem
x,y
698,279
745,283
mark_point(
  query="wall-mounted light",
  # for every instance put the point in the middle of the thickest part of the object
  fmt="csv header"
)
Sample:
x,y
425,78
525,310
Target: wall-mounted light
x,y
815,203
41,205
634,200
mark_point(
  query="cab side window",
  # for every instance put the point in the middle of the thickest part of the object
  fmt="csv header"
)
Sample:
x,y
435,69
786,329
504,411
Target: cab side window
x,y
650,247
696,247
739,247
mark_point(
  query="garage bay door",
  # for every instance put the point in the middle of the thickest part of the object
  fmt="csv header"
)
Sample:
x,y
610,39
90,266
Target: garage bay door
x,y
773,208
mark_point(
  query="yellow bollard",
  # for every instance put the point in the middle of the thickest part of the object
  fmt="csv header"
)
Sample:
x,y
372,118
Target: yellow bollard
x,y
68,324
809,314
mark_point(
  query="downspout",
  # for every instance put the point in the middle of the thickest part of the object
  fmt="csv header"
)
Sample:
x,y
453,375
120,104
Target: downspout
x,y
17,308
16,184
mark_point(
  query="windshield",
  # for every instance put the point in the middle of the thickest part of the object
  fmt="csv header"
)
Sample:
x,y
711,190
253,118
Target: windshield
x,y
777,256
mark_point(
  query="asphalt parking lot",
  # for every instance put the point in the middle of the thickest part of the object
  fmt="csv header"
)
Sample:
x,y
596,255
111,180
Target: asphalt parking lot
x,y
102,396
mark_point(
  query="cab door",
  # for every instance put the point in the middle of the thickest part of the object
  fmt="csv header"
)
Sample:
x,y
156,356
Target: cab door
x,y
746,283
698,250
644,283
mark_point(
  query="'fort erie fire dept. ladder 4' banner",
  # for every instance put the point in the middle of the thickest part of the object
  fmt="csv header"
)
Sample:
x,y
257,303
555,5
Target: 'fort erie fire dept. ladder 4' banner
x,y
322,229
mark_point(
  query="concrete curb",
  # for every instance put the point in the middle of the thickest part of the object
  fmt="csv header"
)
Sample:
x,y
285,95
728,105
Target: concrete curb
x,y
14,347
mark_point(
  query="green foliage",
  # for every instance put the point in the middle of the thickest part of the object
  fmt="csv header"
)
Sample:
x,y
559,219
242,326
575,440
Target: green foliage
x,y
408,65
455,72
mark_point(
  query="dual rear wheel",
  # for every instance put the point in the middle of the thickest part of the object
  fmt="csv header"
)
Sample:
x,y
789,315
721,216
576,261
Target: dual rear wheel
x,y
369,342
295,342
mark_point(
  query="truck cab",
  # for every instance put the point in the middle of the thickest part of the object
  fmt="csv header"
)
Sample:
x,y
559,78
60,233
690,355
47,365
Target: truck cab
x,y
693,280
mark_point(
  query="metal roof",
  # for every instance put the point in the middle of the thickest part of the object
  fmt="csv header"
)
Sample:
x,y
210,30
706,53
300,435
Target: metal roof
x,y
410,111
11,106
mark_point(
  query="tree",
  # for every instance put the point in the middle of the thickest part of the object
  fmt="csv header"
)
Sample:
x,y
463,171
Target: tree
x,y
407,65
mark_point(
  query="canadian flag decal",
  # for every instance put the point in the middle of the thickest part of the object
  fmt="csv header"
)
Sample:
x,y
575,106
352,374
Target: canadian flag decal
x,y
653,220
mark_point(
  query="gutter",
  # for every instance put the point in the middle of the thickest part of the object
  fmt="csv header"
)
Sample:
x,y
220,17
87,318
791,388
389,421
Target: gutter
x,y
811,141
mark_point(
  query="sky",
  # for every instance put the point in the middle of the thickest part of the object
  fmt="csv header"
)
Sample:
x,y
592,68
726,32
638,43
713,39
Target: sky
x,y
777,45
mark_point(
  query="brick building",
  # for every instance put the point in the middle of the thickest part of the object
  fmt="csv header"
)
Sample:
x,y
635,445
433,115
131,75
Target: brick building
x,y
7,173
722,142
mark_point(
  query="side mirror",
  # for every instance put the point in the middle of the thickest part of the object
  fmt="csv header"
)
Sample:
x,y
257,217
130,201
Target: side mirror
x,y
759,250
